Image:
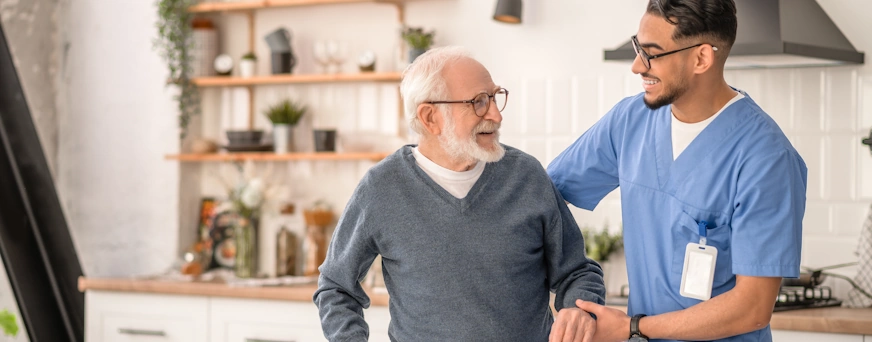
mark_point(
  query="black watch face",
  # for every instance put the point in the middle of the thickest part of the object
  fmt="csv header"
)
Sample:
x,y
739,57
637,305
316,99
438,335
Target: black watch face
x,y
638,339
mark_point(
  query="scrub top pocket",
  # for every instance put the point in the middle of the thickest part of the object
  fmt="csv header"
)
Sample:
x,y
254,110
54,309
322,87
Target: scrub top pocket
x,y
719,237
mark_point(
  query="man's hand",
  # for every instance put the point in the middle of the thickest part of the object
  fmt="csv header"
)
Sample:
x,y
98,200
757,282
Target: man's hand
x,y
572,325
611,324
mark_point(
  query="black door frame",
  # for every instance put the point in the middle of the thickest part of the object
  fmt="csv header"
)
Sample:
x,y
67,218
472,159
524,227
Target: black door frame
x,y
35,243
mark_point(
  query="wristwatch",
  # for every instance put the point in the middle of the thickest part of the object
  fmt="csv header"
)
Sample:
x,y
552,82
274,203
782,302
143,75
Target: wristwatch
x,y
635,334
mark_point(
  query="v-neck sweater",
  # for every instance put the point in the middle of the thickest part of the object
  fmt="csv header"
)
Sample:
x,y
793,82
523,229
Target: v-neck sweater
x,y
478,268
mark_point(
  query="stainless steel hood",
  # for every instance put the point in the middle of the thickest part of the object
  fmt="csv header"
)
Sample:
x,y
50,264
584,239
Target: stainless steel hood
x,y
779,34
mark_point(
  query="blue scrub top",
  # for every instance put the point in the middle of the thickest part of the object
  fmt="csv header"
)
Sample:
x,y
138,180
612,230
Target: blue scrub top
x,y
741,175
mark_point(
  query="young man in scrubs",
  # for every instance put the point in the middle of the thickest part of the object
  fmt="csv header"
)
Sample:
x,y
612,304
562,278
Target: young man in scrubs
x,y
712,192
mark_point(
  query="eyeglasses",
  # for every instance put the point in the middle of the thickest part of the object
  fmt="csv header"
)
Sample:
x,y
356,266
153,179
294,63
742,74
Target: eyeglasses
x,y
646,58
481,102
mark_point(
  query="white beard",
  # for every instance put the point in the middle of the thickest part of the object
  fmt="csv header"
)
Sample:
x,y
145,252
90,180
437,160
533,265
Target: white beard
x,y
468,150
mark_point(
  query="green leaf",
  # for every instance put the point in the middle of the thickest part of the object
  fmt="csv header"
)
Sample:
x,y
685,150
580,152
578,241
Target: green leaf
x,y
9,323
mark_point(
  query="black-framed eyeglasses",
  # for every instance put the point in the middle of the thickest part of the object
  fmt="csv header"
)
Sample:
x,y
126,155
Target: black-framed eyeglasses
x,y
481,102
646,58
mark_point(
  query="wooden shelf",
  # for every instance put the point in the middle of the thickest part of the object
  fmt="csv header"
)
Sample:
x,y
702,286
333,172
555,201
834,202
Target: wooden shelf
x,y
262,4
269,156
227,81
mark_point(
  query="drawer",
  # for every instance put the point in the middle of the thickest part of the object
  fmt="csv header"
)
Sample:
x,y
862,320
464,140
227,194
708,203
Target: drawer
x,y
122,316
264,332
248,320
143,328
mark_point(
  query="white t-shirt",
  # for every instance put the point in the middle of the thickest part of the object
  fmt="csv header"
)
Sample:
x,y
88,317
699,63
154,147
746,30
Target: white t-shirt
x,y
684,133
456,183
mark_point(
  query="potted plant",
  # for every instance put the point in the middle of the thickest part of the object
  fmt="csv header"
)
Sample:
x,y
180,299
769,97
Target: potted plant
x,y
284,115
418,40
9,323
247,64
174,44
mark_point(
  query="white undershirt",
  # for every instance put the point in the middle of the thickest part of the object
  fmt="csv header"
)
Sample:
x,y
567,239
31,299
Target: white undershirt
x,y
683,133
456,183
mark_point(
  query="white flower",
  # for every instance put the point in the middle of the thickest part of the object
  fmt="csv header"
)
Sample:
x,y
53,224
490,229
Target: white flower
x,y
252,194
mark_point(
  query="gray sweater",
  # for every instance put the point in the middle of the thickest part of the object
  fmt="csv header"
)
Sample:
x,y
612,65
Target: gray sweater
x,y
473,269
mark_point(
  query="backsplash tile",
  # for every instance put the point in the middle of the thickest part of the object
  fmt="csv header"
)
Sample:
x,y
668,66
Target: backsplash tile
x,y
817,219
841,100
533,116
586,95
839,181
559,106
865,102
864,161
846,216
808,100
777,97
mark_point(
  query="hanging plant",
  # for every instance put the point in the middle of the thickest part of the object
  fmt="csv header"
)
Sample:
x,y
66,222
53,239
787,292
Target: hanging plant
x,y
174,43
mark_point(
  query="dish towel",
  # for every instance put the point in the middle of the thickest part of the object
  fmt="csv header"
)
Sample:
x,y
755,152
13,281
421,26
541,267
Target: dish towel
x,y
864,268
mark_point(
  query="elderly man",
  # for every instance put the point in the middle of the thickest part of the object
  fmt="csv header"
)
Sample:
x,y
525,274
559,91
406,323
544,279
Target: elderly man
x,y
472,233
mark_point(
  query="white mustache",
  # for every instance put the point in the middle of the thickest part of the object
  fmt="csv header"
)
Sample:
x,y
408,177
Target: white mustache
x,y
487,126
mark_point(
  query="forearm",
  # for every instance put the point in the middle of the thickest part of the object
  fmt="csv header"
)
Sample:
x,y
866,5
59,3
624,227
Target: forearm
x,y
586,284
741,310
341,313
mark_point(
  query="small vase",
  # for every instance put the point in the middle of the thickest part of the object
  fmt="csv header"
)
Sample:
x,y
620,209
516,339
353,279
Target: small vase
x,y
246,68
414,53
245,232
282,138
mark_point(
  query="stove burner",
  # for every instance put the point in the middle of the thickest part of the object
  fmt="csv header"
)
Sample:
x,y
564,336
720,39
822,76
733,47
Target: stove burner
x,y
793,298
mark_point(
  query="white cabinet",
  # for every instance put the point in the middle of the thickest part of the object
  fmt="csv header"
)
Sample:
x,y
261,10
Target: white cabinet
x,y
122,317
248,320
802,336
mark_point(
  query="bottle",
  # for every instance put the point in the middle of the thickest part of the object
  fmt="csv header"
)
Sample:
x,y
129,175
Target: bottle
x,y
286,253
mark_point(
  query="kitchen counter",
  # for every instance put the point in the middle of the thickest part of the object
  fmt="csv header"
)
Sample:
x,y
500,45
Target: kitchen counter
x,y
826,320
823,320
300,293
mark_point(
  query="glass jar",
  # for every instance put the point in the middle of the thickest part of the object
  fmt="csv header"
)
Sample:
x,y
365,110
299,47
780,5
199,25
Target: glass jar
x,y
245,233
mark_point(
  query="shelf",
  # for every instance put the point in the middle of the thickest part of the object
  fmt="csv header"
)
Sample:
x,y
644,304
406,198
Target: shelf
x,y
228,81
262,4
269,156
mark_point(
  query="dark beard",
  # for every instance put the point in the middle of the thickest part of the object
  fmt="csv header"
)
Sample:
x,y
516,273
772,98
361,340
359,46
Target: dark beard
x,y
671,95
661,101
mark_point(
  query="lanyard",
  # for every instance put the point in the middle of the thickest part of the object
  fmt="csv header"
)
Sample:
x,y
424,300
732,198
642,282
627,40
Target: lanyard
x,y
702,232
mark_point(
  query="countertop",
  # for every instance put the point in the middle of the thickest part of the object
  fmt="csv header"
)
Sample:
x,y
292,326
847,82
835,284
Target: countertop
x,y
825,320
300,293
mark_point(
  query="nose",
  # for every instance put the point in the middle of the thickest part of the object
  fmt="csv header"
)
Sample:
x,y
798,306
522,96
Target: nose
x,y
638,67
493,113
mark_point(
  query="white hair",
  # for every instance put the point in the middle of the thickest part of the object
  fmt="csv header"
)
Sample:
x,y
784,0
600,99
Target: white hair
x,y
423,81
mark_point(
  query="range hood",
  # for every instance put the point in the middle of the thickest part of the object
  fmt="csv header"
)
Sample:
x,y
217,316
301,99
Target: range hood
x,y
779,34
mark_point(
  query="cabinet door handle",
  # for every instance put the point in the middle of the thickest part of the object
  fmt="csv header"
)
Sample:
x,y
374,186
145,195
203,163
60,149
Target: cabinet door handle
x,y
141,332
262,340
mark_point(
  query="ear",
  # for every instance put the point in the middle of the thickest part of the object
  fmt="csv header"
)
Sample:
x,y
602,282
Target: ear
x,y
705,59
430,118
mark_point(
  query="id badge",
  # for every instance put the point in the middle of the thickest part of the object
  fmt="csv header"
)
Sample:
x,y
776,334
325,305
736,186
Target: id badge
x,y
698,272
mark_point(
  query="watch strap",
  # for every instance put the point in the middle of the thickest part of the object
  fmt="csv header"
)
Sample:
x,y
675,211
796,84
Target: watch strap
x,y
634,326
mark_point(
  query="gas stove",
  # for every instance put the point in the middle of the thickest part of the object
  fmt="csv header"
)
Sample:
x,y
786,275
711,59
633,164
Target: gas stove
x,y
803,297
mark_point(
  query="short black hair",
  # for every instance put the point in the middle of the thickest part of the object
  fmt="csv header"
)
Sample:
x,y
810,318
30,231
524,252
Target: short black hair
x,y
711,19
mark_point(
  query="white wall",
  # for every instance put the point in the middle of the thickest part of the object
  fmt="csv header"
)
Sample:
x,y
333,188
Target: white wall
x,y
121,197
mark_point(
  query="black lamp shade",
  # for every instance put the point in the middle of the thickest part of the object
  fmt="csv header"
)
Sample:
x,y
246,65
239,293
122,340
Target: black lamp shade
x,y
509,11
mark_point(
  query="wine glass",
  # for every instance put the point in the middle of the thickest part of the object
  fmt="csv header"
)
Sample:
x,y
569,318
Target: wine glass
x,y
322,55
338,52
